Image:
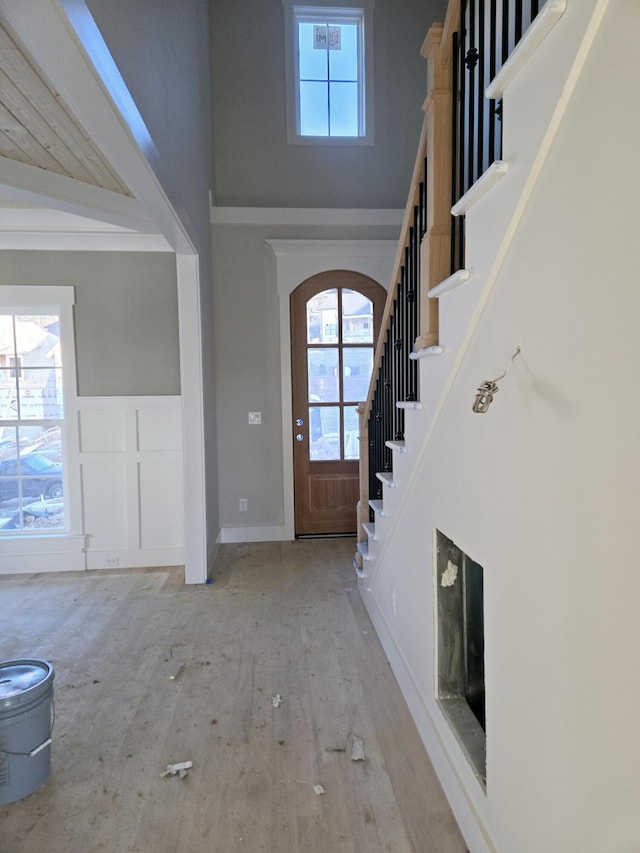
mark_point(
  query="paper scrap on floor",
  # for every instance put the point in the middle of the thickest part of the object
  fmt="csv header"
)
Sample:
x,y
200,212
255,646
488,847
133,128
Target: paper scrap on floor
x,y
180,769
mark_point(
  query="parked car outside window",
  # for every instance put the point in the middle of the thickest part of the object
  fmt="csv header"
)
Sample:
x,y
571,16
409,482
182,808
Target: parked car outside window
x,y
39,477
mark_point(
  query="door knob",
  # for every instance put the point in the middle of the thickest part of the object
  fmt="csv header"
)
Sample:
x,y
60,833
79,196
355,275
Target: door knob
x,y
299,437
299,422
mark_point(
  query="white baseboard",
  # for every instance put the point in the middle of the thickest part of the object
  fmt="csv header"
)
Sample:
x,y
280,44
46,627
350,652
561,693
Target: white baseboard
x,y
277,533
465,814
32,554
135,559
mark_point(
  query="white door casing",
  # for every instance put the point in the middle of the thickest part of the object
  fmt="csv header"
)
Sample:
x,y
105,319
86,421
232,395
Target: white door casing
x,y
297,260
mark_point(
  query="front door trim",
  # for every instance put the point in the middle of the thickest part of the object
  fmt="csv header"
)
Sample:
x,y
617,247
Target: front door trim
x,y
326,491
296,261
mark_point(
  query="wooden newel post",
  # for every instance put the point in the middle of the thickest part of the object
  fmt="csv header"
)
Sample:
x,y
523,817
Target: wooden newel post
x,y
435,151
435,246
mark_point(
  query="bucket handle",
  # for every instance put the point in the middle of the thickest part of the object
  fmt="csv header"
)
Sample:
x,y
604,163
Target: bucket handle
x,y
44,743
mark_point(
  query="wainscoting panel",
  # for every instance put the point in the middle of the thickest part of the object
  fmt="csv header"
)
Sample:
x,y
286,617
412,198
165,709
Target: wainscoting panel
x,y
104,489
102,431
159,433
161,515
132,487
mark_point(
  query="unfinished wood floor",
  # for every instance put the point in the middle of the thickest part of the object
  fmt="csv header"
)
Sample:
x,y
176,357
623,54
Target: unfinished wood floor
x,y
281,618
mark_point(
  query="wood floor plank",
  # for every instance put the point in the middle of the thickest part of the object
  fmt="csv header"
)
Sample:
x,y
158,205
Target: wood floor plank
x,y
281,619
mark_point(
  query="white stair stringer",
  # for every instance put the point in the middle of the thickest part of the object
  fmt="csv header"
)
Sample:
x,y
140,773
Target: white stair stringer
x,y
381,523
492,223
376,531
370,529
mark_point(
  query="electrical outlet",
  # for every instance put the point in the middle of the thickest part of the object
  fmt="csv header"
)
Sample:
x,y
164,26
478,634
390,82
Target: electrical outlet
x,y
244,504
111,562
255,417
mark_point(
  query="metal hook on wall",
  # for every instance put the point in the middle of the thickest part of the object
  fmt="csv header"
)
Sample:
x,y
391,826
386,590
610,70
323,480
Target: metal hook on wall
x,y
486,391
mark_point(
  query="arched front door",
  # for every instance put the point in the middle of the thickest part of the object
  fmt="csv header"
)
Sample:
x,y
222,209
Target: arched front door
x,y
335,319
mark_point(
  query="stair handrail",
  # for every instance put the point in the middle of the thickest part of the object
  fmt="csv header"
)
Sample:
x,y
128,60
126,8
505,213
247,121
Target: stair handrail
x,y
433,171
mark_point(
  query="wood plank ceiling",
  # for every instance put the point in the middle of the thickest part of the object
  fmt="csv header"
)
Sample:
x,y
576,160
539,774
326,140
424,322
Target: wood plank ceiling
x,y
38,129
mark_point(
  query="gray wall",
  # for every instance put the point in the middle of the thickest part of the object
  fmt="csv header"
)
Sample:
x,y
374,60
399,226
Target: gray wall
x,y
248,377
126,316
254,165
162,50
247,335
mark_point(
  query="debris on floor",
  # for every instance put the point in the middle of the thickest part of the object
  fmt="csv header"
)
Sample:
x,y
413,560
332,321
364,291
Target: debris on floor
x,y
357,749
276,700
180,769
177,673
317,789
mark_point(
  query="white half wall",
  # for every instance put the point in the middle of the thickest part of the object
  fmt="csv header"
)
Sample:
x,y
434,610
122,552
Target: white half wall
x,y
125,474
130,457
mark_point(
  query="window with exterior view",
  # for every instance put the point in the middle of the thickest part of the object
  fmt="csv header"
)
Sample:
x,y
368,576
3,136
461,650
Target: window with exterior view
x,y
329,79
339,363
31,423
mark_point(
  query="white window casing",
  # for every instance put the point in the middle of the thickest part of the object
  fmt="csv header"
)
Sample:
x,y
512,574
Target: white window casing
x,y
64,546
360,13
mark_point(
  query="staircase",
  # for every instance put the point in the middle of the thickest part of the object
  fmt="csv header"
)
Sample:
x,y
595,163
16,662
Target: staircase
x,y
444,270
465,219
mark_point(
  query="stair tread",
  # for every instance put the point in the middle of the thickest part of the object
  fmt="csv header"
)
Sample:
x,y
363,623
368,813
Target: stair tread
x,y
386,478
369,529
363,548
378,507
450,283
425,352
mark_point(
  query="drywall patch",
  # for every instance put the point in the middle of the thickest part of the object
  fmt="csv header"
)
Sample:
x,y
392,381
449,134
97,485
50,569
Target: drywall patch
x,y
450,575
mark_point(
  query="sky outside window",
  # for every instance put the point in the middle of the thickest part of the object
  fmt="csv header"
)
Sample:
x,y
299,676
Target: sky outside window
x,y
328,78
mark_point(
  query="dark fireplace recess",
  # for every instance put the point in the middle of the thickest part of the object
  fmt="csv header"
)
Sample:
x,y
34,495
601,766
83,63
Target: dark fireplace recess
x,y
460,652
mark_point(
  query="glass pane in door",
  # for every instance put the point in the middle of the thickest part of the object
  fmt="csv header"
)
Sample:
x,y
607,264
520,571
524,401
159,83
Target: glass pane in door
x,y
357,363
351,433
324,433
322,372
322,318
357,318
339,356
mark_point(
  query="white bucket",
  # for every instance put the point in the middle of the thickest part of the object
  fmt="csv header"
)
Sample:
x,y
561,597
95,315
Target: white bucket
x,y
26,724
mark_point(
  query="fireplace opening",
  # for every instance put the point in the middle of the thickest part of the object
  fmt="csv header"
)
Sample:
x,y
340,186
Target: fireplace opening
x,y
460,648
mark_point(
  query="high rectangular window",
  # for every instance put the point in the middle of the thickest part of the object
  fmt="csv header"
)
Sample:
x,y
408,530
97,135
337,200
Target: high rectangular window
x,y
329,73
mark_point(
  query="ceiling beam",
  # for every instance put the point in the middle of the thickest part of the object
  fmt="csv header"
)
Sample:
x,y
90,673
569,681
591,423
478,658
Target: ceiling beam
x,y
21,182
